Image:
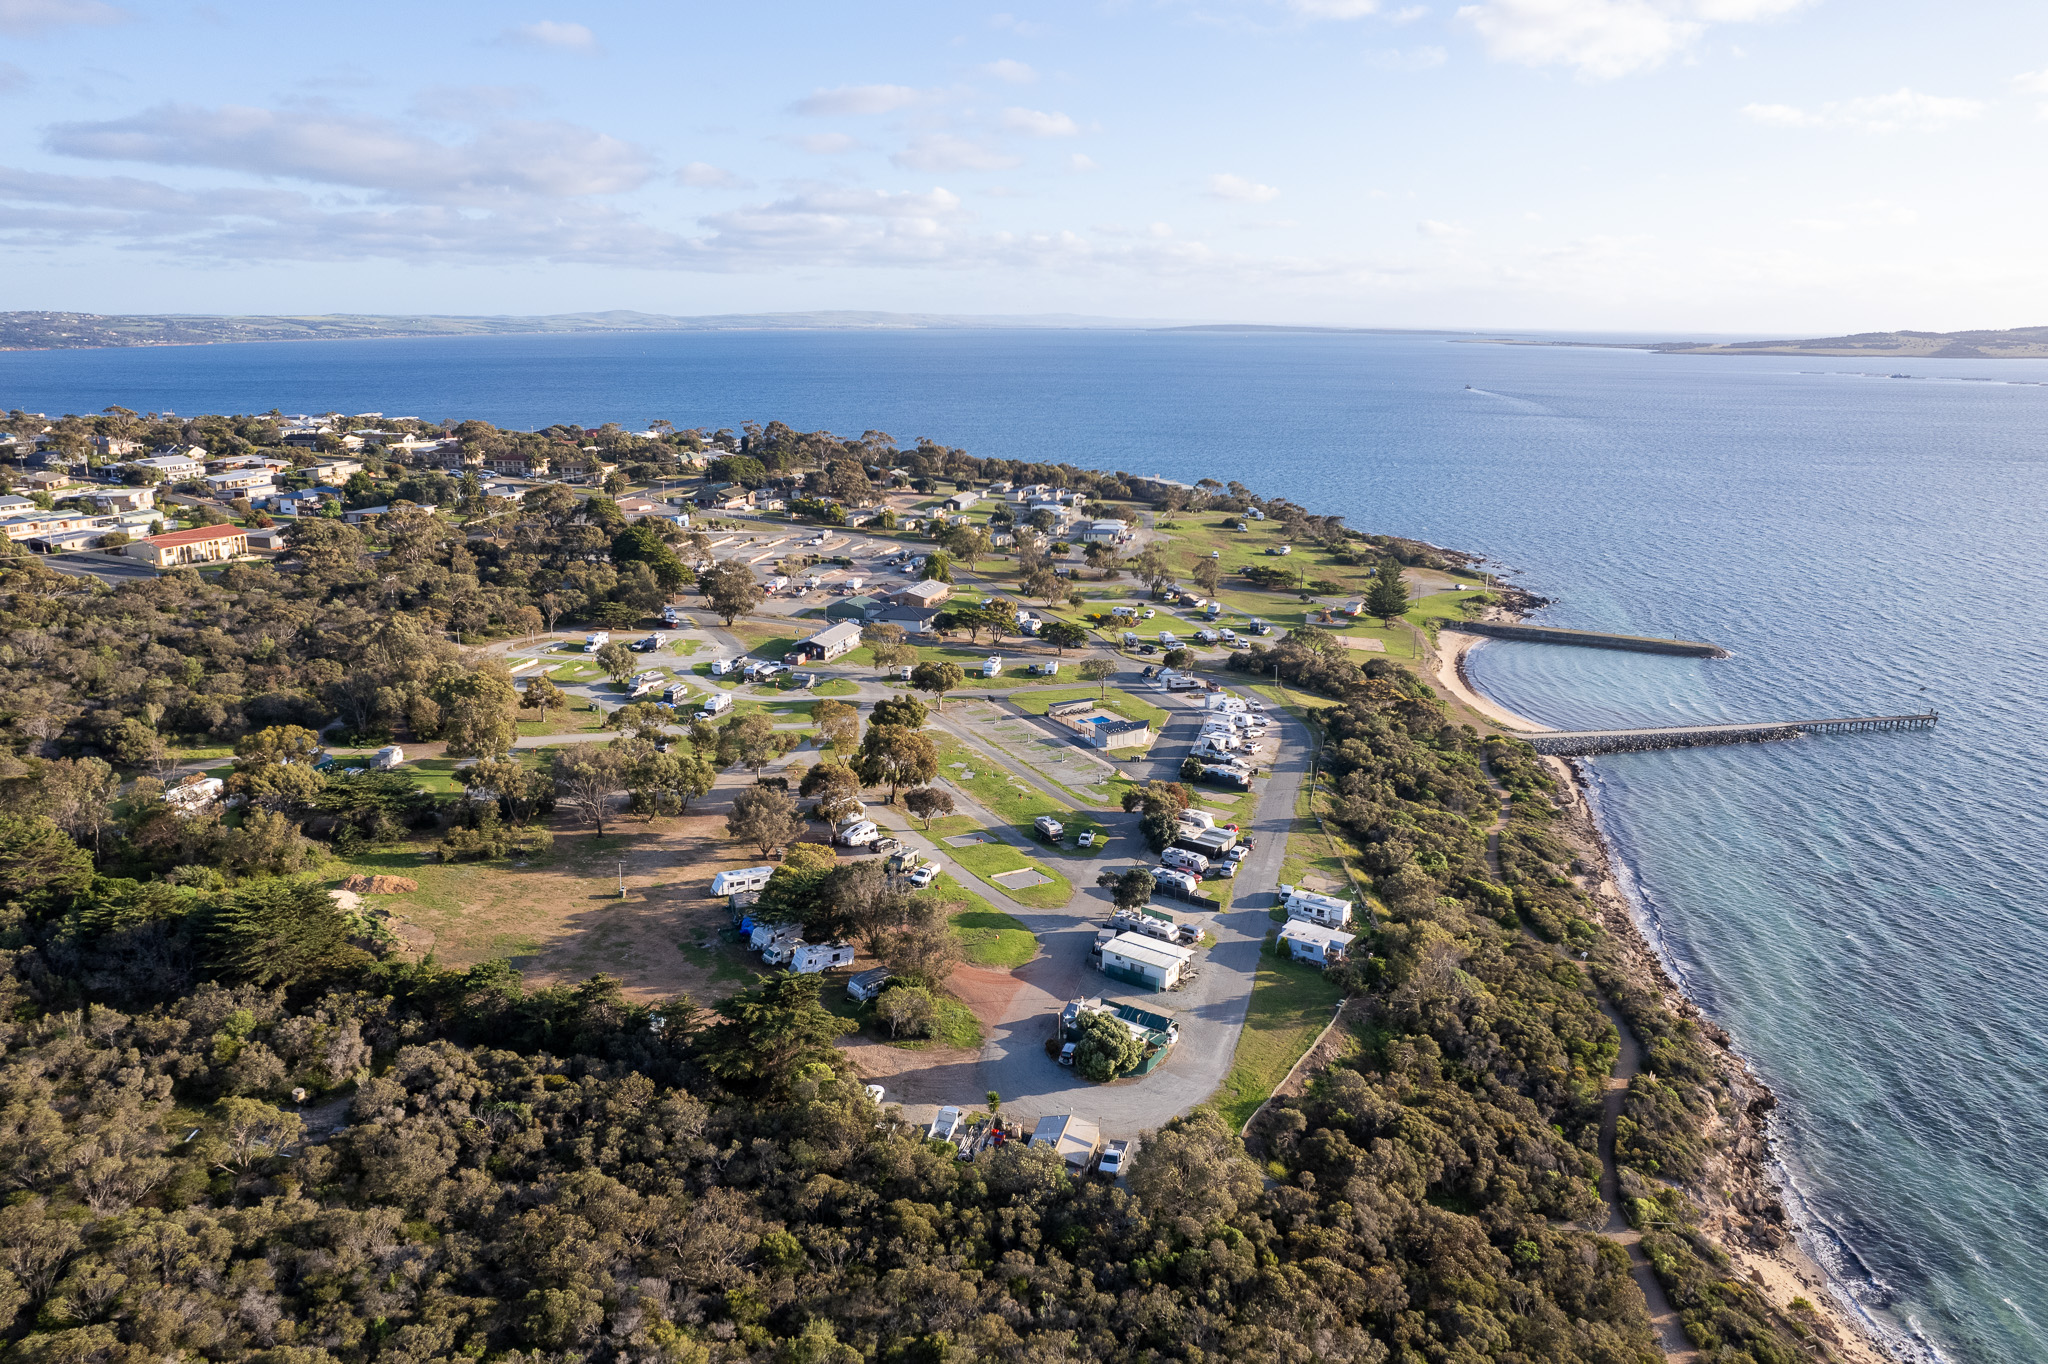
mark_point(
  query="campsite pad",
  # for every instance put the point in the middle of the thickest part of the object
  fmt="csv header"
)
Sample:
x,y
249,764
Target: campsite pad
x,y
1371,646
967,840
1020,878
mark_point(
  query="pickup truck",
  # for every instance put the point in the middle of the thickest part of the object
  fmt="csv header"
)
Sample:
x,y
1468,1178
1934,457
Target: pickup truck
x,y
1113,1156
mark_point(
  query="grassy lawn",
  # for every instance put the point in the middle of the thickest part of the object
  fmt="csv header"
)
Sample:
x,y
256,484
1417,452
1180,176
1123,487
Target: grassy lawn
x,y
1122,702
683,648
989,936
1291,1003
703,670
992,787
575,671
987,860
838,686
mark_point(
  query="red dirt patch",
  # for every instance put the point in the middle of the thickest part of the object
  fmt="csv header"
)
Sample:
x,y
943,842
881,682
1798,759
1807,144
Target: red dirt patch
x,y
985,990
380,885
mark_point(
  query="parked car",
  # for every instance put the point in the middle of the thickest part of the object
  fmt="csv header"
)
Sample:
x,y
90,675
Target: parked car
x,y
925,874
1067,1054
1149,613
1235,854
1086,840
1148,648
1113,1157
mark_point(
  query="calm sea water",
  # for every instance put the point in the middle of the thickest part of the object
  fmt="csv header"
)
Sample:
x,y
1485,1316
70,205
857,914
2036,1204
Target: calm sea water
x,y
1864,913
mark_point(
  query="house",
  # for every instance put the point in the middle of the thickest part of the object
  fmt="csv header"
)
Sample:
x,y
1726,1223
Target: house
x,y
636,508
1306,941
723,496
12,505
1076,1139
1143,962
112,500
335,470
45,481
924,594
199,545
1308,906
867,984
194,794
810,958
829,643
38,525
363,514
855,608
960,502
243,480
1099,532
175,466
114,447
388,757
914,620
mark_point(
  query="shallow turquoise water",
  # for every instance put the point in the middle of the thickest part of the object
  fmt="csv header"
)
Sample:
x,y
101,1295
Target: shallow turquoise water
x,y
1865,913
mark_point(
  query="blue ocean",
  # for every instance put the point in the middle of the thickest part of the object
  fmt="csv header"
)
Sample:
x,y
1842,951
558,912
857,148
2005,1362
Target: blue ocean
x,y
1867,914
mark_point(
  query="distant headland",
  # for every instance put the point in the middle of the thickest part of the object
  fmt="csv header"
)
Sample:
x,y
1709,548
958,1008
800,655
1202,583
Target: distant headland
x,y
2016,343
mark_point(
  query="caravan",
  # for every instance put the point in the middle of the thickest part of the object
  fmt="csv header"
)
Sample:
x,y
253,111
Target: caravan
x,y
715,705
746,878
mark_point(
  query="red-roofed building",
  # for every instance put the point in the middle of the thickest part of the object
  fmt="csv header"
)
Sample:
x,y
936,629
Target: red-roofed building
x,y
199,545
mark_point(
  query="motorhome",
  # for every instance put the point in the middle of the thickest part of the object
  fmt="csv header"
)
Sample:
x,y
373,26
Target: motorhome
x,y
993,667
592,643
746,878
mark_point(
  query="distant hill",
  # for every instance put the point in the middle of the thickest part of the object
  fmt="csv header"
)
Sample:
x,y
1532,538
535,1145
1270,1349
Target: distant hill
x,y
2019,343
71,331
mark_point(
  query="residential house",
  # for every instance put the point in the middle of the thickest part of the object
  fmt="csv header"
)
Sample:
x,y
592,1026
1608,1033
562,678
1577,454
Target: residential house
x,y
1144,962
1307,941
924,594
915,620
199,545
111,500
256,482
335,470
1310,907
15,505
115,447
1076,1139
363,514
829,643
723,497
175,466
45,480
517,465
1100,532
37,525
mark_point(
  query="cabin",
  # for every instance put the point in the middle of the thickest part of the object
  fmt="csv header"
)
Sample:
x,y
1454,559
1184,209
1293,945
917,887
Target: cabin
x,y
1144,962
1305,941
1076,1139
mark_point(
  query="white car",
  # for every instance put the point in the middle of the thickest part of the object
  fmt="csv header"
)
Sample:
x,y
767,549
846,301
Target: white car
x,y
1149,613
1086,840
1237,854
925,875
1113,1157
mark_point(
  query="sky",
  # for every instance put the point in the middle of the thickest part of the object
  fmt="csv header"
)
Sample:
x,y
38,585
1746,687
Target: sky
x,y
1679,167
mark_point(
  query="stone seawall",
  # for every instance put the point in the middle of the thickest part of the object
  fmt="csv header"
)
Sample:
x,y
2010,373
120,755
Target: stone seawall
x,y
1591,639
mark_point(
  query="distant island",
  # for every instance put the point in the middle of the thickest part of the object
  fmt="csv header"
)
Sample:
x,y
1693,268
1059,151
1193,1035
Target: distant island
x,y
2017,343
85,331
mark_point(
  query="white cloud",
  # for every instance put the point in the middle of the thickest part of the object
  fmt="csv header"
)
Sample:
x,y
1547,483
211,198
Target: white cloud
x,y
27,18
941,152
703,175
1413,59
1013,72
1039,124
1408,15
855,99
1238,190
1902,110
550,33
545,159
827,144
1442,231
2032,82
1606,38
1334,9
1080,162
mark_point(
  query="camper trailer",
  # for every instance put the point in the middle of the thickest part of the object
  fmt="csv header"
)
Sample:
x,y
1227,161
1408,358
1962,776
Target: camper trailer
x,y
592,643
1184,860
747,878
721,666
714,706
993,667
812,957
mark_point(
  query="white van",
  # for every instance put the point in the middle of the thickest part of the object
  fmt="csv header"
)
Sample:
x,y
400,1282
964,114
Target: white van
x,y
903,673
746,878
714,706
1185,860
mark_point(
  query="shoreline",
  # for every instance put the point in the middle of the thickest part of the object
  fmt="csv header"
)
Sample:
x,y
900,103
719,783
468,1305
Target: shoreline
x,y
1746,1203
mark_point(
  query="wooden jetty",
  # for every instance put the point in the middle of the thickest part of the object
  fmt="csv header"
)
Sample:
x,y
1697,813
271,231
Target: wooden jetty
x,y
1583,743
1590,639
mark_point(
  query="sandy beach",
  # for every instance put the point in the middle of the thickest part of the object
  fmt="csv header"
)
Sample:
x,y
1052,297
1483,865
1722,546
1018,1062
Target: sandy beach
x,y
1447,670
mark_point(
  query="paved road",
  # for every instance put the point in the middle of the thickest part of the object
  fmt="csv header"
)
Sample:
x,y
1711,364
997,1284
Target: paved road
x,y
111,571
